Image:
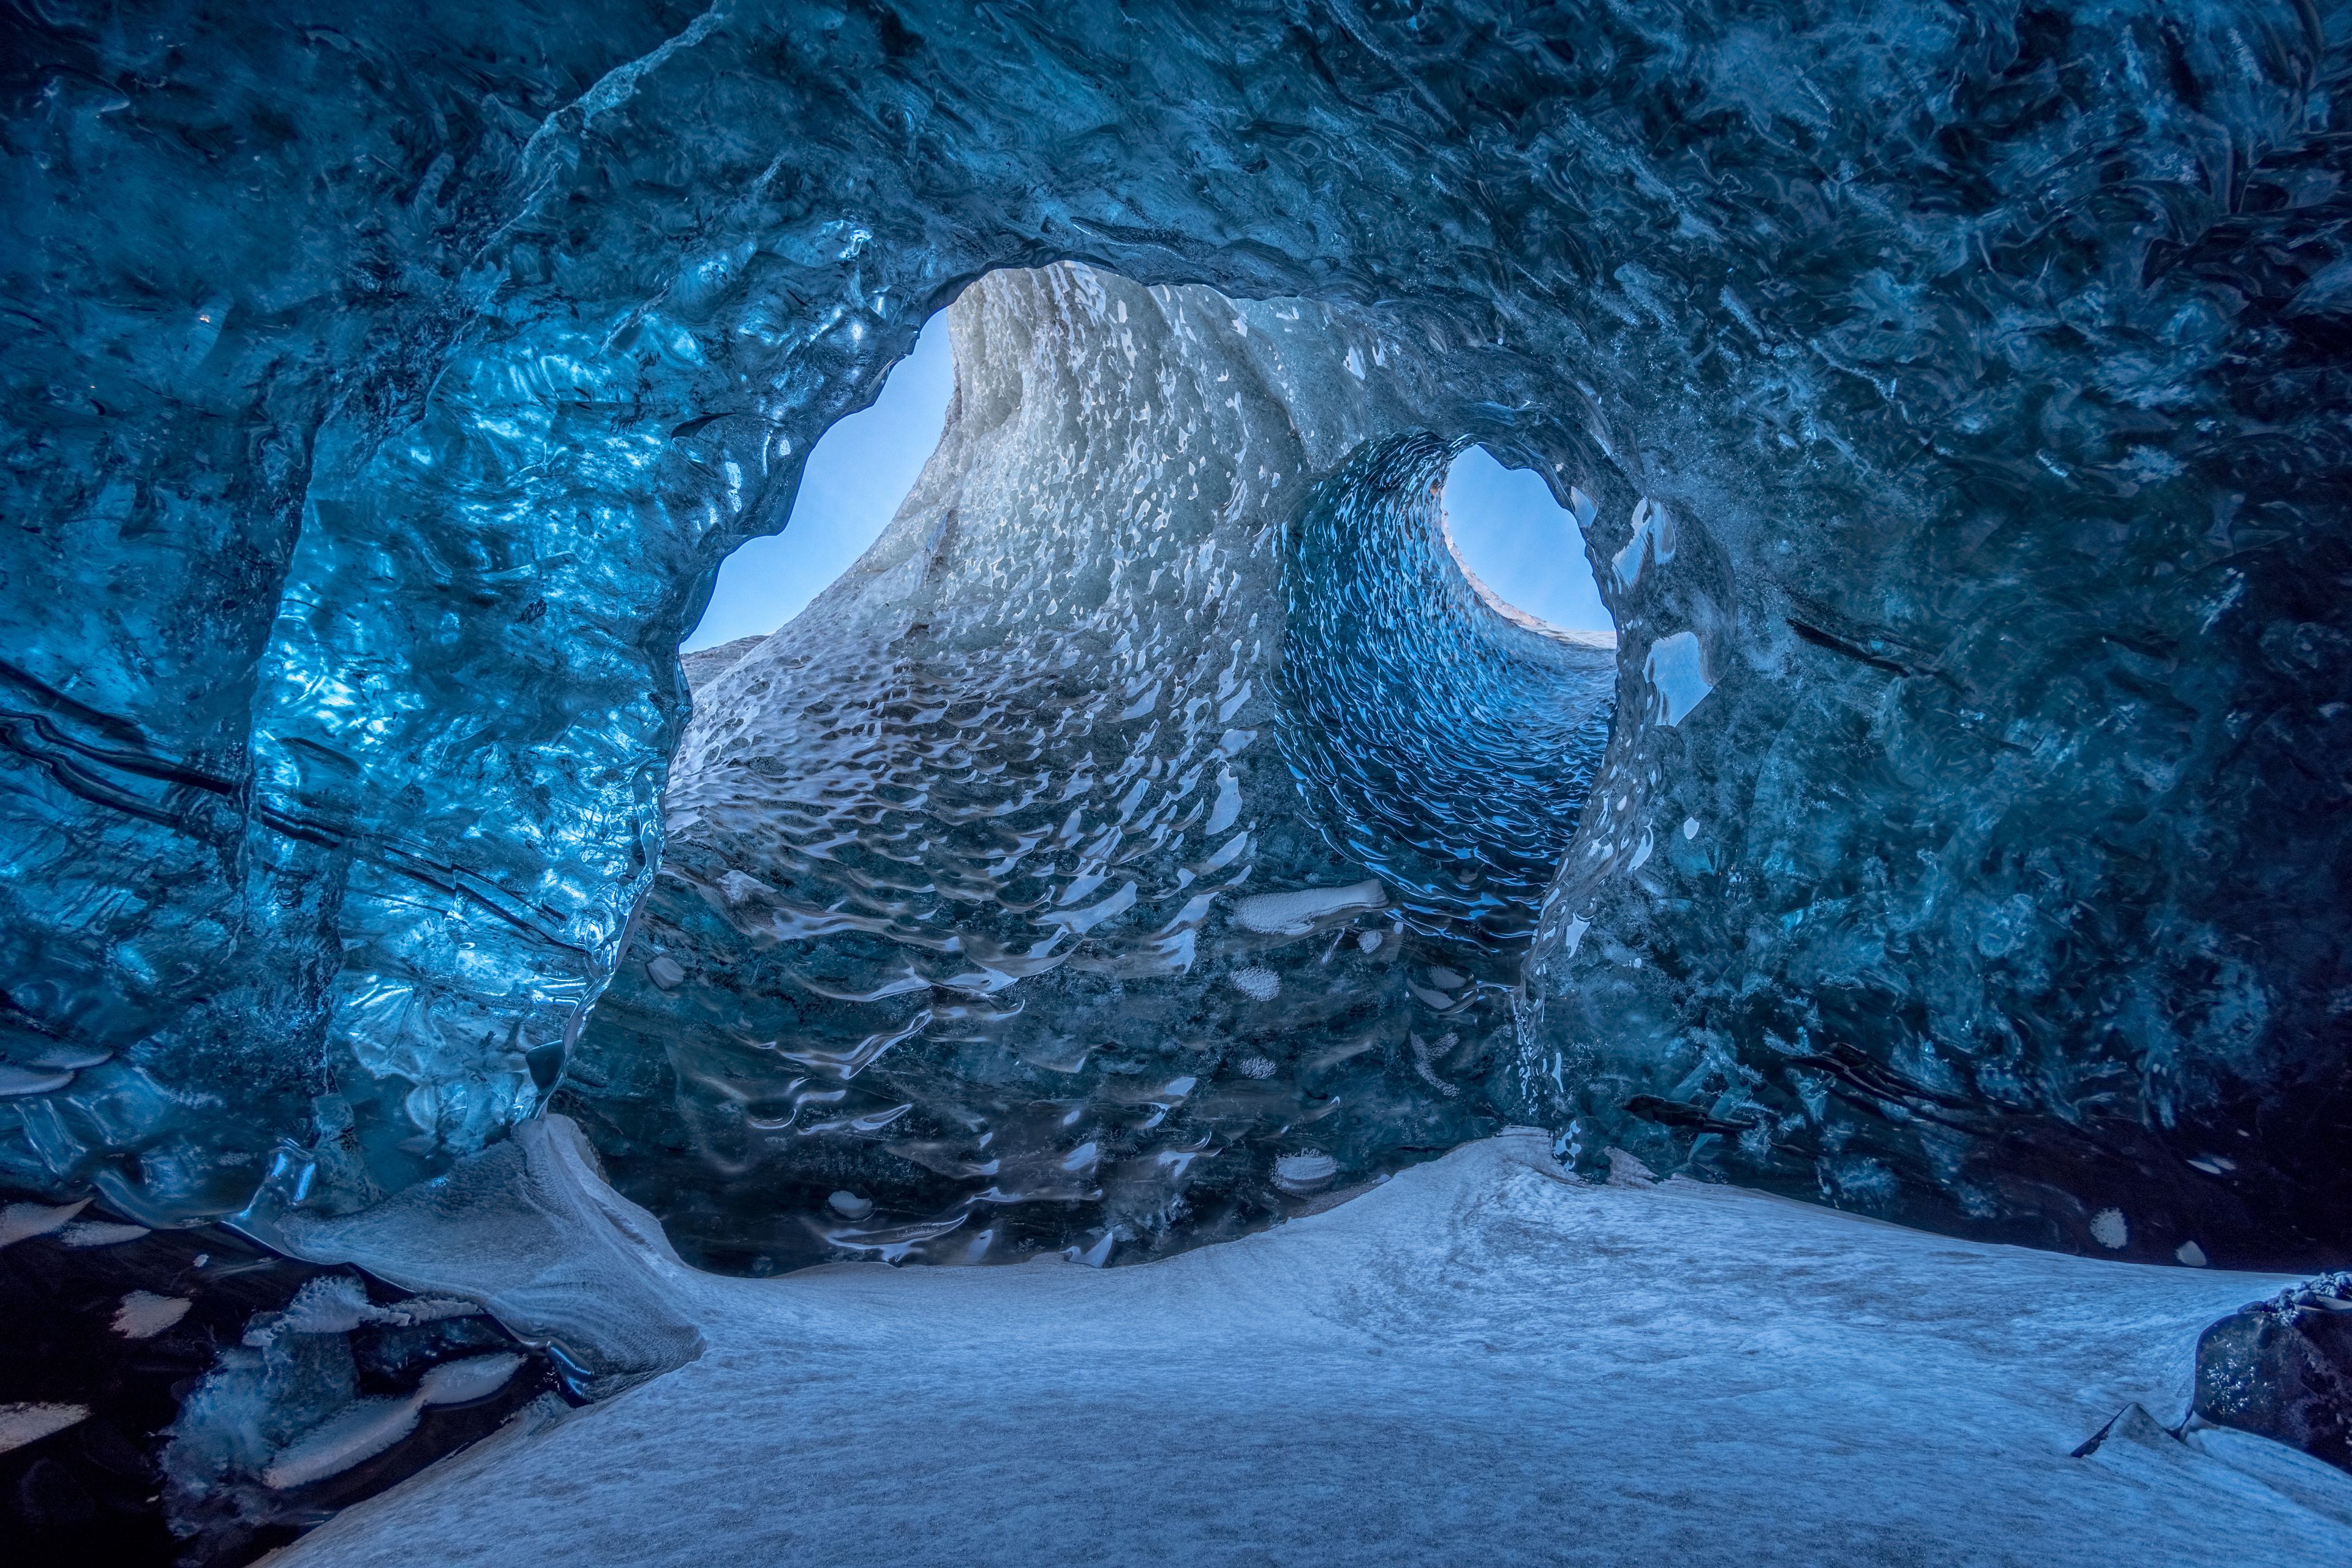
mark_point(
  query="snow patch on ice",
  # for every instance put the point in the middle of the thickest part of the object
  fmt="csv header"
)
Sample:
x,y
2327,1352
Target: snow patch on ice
x,y
22,1424
143,1314
21,1222
1257,983
1295,913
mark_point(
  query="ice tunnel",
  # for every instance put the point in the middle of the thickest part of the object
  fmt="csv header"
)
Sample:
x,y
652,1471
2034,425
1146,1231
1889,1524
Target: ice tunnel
x,y
1158,835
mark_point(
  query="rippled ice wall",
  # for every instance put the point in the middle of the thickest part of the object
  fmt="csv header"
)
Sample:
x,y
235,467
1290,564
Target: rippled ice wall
x,y
1959,389
1140,840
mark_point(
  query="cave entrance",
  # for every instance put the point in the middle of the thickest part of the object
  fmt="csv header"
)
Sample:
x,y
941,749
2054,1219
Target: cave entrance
x,y
856,476
1521,548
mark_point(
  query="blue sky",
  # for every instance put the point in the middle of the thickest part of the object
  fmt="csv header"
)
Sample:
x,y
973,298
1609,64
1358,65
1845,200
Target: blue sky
x,y
1516,537
1504,522
860,471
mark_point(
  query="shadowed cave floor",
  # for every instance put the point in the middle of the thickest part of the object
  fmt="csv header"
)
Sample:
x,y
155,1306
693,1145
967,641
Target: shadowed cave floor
x,y
1480,1360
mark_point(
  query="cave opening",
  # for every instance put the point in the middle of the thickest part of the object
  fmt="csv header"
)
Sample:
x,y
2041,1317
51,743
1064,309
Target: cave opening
x,y
1141,840
856,476
1522,549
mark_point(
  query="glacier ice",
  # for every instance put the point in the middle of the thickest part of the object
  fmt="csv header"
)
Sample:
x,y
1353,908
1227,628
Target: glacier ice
x,y
1951,396
366,460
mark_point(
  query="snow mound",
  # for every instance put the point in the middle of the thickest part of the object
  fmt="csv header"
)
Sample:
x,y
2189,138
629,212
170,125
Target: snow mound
x,y
1481,1359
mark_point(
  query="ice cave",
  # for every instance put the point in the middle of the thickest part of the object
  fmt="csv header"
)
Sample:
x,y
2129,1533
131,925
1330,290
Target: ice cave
x,y
1164,1007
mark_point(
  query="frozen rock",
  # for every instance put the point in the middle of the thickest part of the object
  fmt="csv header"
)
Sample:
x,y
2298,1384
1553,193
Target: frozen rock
x,y
2283,1369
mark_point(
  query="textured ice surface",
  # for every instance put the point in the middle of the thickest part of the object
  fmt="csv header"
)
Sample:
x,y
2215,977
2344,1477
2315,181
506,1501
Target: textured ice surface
x,y
1020,884
1478,1359
380,387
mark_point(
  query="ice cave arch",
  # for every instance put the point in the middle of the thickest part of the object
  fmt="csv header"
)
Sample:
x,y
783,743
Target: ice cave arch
x,y
1968,847
1956,389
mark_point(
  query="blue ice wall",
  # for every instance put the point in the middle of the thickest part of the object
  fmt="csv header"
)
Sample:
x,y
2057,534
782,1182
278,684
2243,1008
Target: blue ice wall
x,y
1959,389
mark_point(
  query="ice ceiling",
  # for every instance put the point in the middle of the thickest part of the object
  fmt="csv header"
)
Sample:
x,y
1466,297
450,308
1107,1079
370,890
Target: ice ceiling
x,y
1952,394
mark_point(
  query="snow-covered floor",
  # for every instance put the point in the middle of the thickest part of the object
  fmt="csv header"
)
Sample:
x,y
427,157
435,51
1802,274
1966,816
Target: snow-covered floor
x,y
1481,1363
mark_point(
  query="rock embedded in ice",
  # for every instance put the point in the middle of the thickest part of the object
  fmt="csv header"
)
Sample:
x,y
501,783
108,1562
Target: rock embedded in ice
x,y
2283,1369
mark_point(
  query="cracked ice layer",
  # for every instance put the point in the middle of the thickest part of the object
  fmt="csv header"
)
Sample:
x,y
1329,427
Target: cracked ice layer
x,y
1016,893
379,392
